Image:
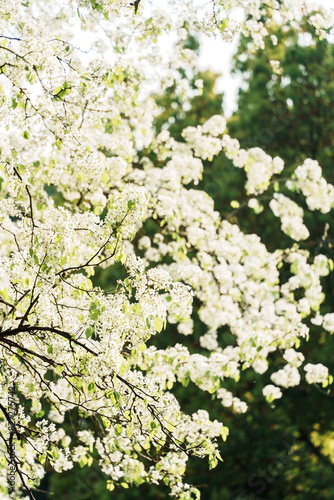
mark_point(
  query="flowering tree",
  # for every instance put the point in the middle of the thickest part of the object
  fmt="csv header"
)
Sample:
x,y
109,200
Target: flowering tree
x,y
82,174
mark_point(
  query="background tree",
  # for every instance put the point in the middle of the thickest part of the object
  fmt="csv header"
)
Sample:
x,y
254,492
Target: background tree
x,y
284,104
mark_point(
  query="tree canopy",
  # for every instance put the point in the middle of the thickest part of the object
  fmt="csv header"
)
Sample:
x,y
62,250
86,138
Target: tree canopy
x,y
107,242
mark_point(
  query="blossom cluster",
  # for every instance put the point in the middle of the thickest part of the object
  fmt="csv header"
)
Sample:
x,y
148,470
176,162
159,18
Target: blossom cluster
x,y
318,192
291,216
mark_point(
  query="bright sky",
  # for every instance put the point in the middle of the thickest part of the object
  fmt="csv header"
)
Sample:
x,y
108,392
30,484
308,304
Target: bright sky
x,y
217,56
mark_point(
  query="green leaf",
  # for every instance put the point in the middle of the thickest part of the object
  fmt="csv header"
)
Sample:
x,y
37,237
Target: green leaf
x,y
131,205
136,308
5,294
118,429
60,369
105,177
122,369
213,462
169,385
110,485
25,135
94,314
224,432
91,387
80,16
158,324
142,347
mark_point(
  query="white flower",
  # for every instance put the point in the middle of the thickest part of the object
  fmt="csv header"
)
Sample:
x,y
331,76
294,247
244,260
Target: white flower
x,y
328,322
315,373
272,392
215,125
293,357
186,328
260,365
291,216
286,377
